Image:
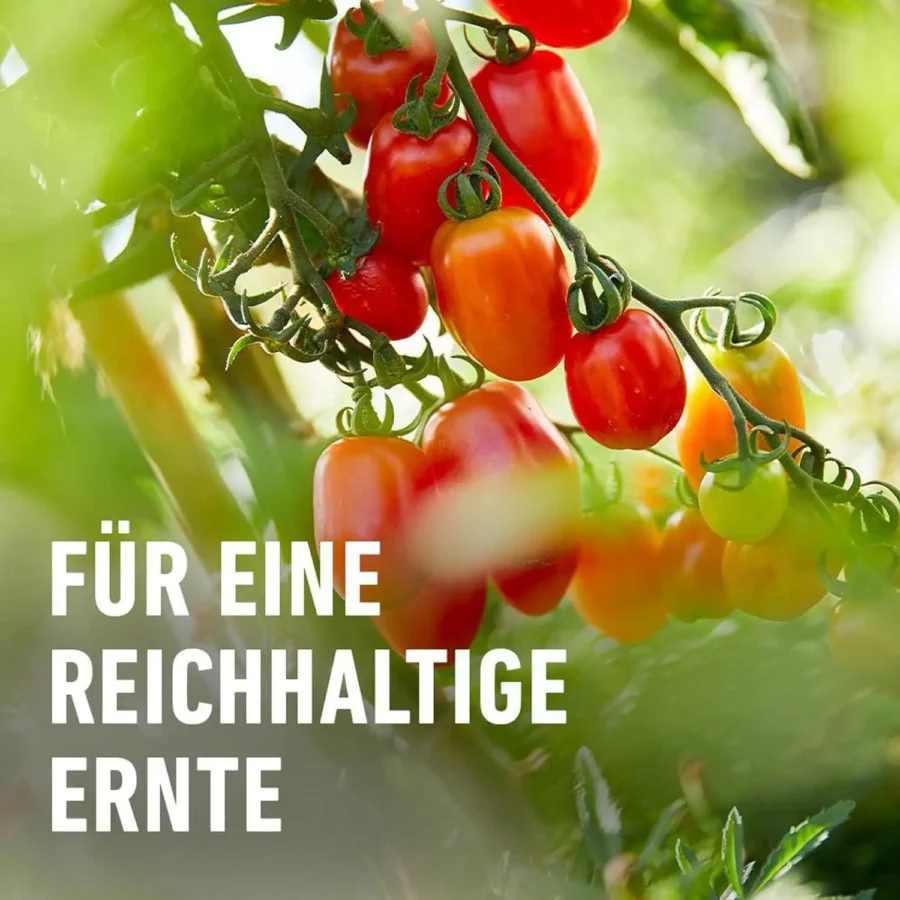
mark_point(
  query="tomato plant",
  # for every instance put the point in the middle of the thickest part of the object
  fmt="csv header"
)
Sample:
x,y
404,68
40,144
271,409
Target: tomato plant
x,y
501,283
617,586
763,375
541,111
386,292
625,382
498,437
744,512
377,83
402,178
691,565
567,23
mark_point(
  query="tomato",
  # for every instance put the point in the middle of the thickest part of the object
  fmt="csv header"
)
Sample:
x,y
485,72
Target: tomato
x,y
402,179
748,514
439,618
538,589
372,489
691,561
377,83
617,586
778,578
565,23
625,382
542,113
763,375
865,637
387,293
501,283
496,445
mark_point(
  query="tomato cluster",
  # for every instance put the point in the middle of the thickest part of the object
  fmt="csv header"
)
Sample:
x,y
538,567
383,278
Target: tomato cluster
x,y
503,289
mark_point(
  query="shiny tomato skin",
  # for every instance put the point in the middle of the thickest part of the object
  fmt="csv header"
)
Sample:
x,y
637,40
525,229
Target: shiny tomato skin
x,y
538,589
543,114
864,637
763,375
437,618
565,23
377,83
501,282
617,585
402,178
498,436
625,382
691,561
387,293
778,578
369,489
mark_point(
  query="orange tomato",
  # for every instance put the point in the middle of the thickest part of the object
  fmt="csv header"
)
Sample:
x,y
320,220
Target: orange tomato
x,y
617,585
764,375
501,283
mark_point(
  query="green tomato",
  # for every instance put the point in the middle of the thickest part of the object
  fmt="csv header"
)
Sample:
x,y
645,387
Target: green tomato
x,y
749,514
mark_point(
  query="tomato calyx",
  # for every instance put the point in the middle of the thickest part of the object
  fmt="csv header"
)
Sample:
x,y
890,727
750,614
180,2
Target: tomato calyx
x,y
750,457
729,335
360,238
380,32
422,114
475,190
588,310
501,38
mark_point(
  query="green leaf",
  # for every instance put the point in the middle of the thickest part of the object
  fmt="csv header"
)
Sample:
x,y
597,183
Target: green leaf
x,y
598,814
658,834
241,343
800,841
733,852
733,43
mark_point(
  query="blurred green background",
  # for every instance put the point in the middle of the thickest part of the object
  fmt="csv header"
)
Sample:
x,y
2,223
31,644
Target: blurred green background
x,y
686,198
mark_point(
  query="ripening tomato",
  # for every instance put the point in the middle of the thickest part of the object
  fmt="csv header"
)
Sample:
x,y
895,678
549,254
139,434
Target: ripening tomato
x,y
377,83
748,514
625,382
369,489
538,589
387,293
542,113
518,479
778,578
865,636
501,282
763,375
565,23
691,561
403,177
617,586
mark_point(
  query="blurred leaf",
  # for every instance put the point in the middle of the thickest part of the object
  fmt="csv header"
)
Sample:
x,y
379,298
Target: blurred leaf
x,y
598,814
733,851
317,34
733,43
664,826
800,841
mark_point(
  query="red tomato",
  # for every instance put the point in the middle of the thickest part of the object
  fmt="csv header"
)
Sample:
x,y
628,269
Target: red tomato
x,y
617,585
625,382
501,283
691,560
377,83
402,179
439,618
565,23
370,489
542,113
778,578
499,441
538,589
387,293
763,375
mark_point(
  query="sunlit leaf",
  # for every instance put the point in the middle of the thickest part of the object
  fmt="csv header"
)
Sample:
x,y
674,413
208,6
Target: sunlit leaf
x,y
598,814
